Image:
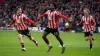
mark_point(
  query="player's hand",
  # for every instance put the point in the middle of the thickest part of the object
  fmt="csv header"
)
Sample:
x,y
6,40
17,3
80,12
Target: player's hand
x,y
71,18
77,24
38,16
36,24
8,26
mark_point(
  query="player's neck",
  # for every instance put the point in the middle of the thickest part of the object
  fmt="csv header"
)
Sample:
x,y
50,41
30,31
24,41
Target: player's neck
x,y
18,14
52,10
86,15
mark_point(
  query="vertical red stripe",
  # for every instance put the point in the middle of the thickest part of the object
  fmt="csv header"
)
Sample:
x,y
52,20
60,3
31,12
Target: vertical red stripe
x,y
53,20
24,22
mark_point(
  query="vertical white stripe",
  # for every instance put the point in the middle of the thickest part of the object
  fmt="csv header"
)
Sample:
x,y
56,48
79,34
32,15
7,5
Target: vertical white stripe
x,y
16,22
22,28
23,22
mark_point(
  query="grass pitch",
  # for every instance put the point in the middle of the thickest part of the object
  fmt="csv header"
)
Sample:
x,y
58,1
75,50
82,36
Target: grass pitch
x,y
75,45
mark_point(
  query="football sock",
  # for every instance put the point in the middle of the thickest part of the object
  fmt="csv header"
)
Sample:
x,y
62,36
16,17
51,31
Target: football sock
x,y
93,39
49,45
90,46
22,44
34,41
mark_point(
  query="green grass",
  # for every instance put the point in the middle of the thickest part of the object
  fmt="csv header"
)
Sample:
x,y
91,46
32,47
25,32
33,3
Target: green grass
x,y
75,43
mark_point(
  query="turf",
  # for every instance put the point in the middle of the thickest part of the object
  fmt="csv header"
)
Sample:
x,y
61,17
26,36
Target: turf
x,y
75,43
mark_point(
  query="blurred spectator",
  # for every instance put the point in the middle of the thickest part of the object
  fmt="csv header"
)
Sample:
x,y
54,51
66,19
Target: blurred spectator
x,y
34,7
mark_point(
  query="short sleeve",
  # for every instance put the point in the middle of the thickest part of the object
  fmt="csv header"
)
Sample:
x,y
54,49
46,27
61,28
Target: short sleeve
x,y
82,18
24,16
13,17
47,12
57,13
92,19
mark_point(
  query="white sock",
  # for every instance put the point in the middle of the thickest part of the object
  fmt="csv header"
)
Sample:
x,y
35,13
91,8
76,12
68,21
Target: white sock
x,y
49,45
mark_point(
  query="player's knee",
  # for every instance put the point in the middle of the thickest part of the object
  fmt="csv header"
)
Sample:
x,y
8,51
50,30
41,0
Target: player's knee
x,y
86,39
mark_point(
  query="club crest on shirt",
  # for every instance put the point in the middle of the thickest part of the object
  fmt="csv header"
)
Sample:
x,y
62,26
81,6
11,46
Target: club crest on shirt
x,y
18,21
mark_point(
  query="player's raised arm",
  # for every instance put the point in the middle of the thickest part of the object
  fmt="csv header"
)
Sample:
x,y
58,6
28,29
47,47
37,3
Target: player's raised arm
x,y
12,22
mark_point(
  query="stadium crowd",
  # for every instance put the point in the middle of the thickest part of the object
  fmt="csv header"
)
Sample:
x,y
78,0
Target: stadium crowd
x,y
34,7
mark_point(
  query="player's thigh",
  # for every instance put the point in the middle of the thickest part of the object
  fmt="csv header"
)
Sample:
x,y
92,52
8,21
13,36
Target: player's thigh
x,y
20,36
27,33
55,32
86,35
46,32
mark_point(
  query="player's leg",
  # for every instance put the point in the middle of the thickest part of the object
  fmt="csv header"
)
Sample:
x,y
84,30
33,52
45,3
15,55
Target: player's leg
x,y
86,38
91,33
32,39
21,42
45,38
45,33
90,40
86,35
27,33
56,34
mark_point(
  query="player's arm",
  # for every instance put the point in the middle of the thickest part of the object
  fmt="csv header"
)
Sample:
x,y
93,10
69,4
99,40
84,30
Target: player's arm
x,y
93,22
64,17
81,22
30,21
42,15
12,22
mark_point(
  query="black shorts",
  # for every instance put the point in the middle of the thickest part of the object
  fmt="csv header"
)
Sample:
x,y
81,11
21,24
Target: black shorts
x,y
86,34
24,32
53,31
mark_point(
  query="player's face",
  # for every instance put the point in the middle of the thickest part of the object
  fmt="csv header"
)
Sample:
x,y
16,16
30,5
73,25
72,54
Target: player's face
x,y
51,6
85,12
19,11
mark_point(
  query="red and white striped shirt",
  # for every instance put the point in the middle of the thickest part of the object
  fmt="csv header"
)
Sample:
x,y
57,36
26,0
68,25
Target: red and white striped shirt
x,y
20,21
53,18
88,23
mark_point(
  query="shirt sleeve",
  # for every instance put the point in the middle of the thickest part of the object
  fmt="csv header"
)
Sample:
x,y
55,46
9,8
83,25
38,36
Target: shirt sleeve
x,y
93,21
24,16
42,15
82,21
12,22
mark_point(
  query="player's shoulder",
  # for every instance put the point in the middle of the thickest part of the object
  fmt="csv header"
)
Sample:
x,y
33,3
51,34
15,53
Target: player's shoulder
x,y
48,11
91,16
14,15
23,14
57,12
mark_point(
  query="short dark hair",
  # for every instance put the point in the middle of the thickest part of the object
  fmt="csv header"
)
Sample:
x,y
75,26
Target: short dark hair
x,y
54,5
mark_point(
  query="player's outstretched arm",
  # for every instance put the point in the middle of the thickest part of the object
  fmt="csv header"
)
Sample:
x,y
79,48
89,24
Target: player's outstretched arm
x,y
32,22
42,15
66,18
12,22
